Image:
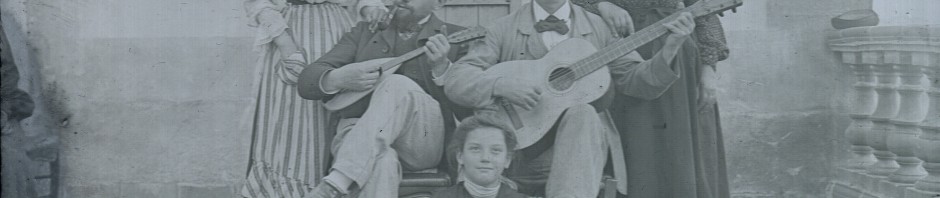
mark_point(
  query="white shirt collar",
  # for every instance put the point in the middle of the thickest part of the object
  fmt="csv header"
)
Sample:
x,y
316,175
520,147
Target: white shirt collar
x,y
563,13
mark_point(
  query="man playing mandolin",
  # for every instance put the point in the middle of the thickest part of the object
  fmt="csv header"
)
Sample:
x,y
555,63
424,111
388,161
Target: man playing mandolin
x,y
569,156
401,125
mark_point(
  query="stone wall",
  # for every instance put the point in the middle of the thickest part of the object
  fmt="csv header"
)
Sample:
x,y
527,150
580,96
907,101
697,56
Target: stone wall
x,y
151,98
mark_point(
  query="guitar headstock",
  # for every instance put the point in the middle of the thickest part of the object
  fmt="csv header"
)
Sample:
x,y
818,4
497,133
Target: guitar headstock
x,y
467,34
708,7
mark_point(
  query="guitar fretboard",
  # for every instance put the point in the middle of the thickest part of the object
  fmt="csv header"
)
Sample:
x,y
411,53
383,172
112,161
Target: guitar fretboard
x,y
623,46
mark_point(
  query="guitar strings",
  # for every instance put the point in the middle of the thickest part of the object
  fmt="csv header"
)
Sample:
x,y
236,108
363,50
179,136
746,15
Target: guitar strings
x,y
619,46
657,30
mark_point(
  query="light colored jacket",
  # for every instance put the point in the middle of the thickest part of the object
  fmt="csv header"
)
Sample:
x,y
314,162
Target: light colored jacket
x,y
513,37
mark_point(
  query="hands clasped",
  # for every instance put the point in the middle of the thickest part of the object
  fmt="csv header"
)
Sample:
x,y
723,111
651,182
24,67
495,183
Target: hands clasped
x,y
617,18
290,67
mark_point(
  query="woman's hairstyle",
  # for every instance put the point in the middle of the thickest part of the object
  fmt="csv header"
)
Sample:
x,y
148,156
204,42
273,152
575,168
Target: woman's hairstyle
x,y
481,121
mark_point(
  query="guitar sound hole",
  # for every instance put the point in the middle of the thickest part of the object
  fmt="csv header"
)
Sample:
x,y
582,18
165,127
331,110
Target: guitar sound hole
x,y
561,78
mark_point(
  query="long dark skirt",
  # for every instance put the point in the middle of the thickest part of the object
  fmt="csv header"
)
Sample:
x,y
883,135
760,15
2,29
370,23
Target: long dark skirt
x,y
672,149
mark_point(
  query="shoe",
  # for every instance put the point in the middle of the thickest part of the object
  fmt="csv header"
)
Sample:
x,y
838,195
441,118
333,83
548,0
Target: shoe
x,y
324,190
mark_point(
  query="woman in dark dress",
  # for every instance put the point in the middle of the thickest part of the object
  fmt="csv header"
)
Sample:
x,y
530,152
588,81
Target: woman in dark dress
x,y
483,148
673,144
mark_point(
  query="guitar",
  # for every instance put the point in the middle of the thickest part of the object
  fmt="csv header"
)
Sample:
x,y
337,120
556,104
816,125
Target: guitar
x,y
389,65
574,72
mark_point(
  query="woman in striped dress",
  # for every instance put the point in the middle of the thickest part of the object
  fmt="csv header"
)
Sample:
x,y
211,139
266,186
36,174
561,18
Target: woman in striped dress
x,y
289,146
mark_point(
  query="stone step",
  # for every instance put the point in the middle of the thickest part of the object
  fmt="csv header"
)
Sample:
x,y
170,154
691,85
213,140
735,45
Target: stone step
x,y
855,183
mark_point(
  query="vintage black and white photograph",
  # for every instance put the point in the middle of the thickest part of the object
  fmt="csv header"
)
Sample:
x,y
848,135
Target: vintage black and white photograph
x,y
470,98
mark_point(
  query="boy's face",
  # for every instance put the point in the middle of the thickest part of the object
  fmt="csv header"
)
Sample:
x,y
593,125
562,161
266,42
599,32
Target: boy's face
x,y
484,156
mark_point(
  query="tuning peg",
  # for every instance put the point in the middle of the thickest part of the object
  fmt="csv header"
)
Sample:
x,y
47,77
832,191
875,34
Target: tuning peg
x,y
734,10
721,14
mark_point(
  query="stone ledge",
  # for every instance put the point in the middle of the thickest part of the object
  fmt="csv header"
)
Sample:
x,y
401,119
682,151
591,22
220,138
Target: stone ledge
x,y
205,191
110,190
922,31
920,38
146,189
855,183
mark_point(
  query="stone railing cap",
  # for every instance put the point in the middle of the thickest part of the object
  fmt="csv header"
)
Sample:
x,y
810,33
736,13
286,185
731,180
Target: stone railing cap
x,y
878,31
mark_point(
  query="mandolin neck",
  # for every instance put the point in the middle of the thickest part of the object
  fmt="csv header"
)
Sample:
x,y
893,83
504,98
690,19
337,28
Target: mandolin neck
x,y
458,37
401,59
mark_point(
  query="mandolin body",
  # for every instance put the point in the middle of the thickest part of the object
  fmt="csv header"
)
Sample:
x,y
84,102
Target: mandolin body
x,y
346,98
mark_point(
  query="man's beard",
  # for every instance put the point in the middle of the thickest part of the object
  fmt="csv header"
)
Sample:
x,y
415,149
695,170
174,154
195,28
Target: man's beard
x,y
405,21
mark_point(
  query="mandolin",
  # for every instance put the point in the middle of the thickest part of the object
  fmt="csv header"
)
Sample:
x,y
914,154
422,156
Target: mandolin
x,y
389,65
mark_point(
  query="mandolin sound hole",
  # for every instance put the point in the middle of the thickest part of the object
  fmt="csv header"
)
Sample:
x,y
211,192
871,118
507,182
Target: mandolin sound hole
x,y
561,78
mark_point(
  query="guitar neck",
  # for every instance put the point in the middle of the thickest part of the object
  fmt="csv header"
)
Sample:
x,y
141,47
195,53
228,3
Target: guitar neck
x,y
401,59
622,46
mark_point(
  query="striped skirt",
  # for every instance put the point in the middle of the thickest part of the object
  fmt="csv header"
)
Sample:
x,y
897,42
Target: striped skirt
x,y
290,142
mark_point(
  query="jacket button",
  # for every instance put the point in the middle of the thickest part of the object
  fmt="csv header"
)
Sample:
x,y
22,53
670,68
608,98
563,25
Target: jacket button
x,y
385,50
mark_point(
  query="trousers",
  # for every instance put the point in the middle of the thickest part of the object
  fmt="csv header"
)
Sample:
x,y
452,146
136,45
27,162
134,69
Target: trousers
x,y
569,161
402,129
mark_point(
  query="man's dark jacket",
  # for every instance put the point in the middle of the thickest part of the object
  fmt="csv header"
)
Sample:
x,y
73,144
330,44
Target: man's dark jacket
x,y
360,44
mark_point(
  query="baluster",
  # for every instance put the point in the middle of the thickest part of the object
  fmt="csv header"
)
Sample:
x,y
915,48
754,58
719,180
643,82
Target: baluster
x,y
886,110
901,141
865,98
928,148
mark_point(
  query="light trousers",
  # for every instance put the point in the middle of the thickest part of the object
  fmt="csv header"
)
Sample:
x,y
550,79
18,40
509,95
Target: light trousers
x,y
402,129
569,160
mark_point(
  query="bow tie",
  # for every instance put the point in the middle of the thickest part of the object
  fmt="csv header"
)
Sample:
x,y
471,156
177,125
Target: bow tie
x,y
552,23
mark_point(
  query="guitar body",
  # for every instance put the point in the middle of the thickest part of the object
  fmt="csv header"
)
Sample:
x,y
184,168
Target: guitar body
x,y
533,124
346,98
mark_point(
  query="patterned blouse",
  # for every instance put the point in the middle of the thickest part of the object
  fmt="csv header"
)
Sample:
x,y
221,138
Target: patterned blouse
x,y
710,36
266,16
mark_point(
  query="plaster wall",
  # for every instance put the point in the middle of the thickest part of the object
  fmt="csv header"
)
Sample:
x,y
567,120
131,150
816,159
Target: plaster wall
x,y
149,98
783,97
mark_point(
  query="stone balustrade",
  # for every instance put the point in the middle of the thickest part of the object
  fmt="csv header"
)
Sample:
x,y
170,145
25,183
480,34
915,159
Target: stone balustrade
x,y
894,137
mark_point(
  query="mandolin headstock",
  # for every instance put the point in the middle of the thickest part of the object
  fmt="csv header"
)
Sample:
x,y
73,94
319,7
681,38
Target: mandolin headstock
x,y
708,7
467,34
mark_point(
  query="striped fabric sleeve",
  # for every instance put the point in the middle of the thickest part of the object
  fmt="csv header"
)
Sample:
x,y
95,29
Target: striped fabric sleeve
x,y
265,16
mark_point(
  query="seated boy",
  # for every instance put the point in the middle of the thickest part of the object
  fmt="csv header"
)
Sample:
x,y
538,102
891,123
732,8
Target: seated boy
x,y
484,148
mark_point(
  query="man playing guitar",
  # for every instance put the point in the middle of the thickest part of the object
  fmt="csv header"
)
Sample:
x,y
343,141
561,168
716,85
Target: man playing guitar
x,y
572,154
401,125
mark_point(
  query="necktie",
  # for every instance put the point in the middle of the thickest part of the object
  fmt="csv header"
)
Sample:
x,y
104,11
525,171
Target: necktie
x,y
552,23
